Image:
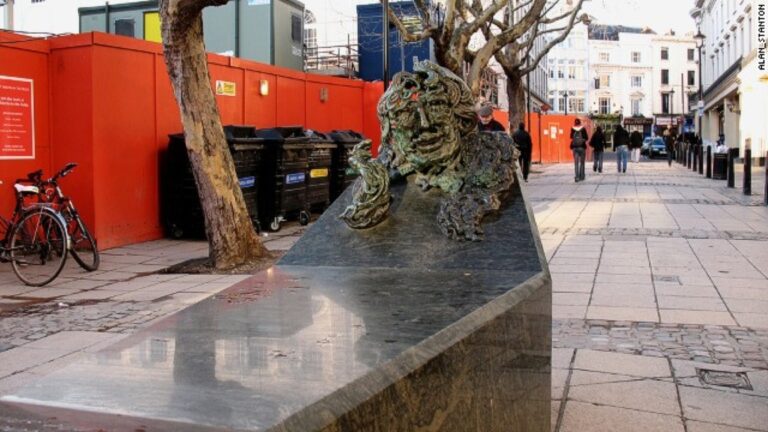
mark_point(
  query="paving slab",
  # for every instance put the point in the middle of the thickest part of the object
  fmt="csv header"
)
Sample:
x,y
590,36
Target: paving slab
x,y
581,417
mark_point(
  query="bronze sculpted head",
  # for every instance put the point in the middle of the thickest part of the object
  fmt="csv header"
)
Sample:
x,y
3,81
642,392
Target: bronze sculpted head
x,y
425,116
429,129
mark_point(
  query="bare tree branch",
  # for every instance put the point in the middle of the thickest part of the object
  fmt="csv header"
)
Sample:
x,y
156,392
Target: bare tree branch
x,y
408,36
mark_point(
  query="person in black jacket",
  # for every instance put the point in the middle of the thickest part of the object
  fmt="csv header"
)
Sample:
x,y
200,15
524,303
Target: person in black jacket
x,y
523,142
579,139
635,143
621,143
485,120
598,146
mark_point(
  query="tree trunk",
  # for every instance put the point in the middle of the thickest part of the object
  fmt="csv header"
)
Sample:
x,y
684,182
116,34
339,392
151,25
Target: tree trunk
x,y
516,97
228,226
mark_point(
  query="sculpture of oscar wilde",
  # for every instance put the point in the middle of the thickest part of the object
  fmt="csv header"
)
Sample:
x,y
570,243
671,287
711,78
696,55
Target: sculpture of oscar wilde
x,y
429,129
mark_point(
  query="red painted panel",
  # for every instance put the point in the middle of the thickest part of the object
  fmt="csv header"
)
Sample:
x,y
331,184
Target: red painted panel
x,y
341,108
166,109
72,124
230,107
290,102
28,61
260,110
371,127
125,155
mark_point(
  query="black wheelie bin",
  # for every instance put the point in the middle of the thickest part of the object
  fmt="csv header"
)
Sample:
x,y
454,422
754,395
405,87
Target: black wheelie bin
x,y
319,180
342,175
182,213
283,193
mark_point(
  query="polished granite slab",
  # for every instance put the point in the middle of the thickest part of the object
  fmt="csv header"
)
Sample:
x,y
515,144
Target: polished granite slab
x,y
391,328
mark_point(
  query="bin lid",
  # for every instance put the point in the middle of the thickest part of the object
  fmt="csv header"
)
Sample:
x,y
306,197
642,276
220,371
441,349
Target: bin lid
x,y
346,136
281,135
232,132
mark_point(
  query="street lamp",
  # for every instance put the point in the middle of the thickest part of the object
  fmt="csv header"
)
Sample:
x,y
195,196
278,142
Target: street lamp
x,y
565,98
699,38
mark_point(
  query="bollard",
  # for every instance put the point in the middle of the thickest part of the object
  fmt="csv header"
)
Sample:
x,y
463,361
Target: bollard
x,y
695,158
731,170
747,185
690,156
709,161
701,160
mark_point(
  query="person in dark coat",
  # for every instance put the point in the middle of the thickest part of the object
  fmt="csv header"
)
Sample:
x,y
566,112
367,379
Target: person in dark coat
x,y
598,146
669,143
621,143
523,142
635,143
485,120
579,139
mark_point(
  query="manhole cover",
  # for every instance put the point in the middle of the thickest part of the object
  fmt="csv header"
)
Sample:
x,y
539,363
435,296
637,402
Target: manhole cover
x,y
660,278
737,380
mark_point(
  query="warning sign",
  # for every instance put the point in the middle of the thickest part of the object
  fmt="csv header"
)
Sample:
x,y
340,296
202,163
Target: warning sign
x,y
17,123
225,88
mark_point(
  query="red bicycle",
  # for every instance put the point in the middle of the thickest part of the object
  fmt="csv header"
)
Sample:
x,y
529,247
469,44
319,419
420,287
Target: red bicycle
x,y
35,239
83,244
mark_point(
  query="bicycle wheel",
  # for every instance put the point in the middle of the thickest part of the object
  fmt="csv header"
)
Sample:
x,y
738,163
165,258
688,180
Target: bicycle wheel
x,y
83,245
38,248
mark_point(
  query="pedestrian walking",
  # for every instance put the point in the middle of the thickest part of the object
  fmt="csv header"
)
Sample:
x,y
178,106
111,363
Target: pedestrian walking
x,y
523,142
621,143
635,143
669,143
485,120
579,139
598,146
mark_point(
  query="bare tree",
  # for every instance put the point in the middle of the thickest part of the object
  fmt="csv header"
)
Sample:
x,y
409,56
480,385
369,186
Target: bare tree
x,y
509,29
231,236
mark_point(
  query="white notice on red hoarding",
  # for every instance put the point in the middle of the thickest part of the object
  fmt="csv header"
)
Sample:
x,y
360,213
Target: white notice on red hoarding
x,y
17,120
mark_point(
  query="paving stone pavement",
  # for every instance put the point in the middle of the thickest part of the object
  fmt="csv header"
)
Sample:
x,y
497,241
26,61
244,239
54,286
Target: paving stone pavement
x,y
660,303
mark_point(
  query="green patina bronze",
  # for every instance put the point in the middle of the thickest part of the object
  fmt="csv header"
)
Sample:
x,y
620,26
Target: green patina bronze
x,y
429,129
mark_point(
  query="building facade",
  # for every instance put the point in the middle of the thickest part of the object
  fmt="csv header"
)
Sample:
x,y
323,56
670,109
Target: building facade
x,y
621,79
734,85
675,81
568,65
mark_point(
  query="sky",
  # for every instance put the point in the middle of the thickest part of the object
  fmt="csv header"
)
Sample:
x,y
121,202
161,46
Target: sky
x,y
660,15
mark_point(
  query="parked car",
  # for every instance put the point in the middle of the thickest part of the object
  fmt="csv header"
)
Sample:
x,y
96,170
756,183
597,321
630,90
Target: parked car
x,y
646,146
657,148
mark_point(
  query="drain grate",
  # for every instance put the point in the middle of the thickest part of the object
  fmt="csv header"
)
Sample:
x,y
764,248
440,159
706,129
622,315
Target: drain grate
x,y
737,380
660,278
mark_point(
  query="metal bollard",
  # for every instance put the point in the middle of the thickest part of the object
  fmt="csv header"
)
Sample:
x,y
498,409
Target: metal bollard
x,y
731,168
695,158
701,160
747,185
709,161
690,156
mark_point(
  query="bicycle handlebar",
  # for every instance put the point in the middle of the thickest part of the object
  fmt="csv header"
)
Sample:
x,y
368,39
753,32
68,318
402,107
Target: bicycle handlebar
x,y
64,172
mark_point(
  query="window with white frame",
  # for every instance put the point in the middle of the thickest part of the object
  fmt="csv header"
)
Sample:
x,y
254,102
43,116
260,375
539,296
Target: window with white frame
x,y
637,81
560,72
571,72
605,57
575,105
636,57
637,106
690,54
604,104
665,53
